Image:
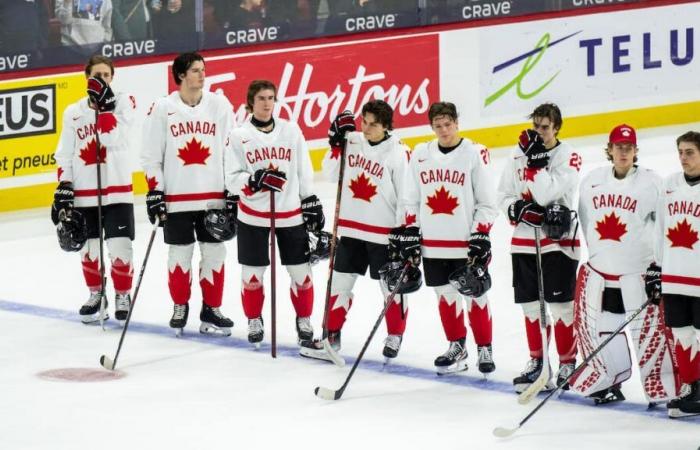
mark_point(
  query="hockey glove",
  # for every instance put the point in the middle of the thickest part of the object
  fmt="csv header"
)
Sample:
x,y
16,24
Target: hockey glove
x,y
312,213
479,249
529,213
343,124
532,146
101,94
404,245
62,200
231,206
652,280
155,206
270,179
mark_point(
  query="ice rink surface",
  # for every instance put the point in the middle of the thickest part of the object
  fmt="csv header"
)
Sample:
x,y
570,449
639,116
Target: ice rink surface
x,y
201,392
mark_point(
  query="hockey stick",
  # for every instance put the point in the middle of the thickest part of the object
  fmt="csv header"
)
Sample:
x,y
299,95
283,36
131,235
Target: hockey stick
x,y
503,432
273,279
106,362
103,282
528,394
330,394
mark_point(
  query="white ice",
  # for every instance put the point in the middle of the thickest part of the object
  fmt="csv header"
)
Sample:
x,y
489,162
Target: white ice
x,y
199,392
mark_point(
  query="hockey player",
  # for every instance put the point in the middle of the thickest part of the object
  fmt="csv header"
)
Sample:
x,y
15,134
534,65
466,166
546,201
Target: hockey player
x,y
183,159
269,156
676,272
449,194
375,163
617,213
542,172
77,193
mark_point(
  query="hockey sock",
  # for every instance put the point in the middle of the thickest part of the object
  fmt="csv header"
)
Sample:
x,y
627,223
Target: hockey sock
x,y
480,320
252,294
687,354
395,321
302,289
211,273
121,255
563,318
91,264
340,300
180,273
532,329
451,312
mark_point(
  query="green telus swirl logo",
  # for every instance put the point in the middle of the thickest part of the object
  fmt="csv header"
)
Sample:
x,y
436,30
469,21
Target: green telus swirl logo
x,y
532,58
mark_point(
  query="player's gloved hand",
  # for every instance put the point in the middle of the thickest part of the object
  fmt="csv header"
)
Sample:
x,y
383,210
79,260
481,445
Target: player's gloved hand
x,y
342,124
529,213
532,146
270,179
101,94
652,280
312,213
479,249
63,198
404,245
155,206
231,206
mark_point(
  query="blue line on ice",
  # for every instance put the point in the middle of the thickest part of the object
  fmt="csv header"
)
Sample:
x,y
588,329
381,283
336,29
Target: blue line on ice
x,y
376,366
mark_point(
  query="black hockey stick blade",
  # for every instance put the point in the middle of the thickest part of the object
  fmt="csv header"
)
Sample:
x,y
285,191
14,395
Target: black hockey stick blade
x,y
107,362
328,394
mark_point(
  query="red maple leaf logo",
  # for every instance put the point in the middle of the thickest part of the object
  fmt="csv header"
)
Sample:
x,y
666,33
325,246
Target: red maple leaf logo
x,y
409,219
335,152
610,227
59,172
529,174
89,154
193,153
151,182
442,202
363,188
527,195
682,235
106,122
484,228
247,191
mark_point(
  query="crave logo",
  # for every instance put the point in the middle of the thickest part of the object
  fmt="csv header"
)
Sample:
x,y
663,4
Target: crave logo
x,y
27,111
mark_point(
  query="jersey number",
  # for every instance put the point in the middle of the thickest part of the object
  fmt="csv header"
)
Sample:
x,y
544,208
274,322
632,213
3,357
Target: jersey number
x,y
485,155
575,161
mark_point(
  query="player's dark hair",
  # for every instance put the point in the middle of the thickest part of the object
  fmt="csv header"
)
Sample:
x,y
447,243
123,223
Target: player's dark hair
x,y
608,149
98,59
182,63
383,113
256,86
551,112
691,136
442,109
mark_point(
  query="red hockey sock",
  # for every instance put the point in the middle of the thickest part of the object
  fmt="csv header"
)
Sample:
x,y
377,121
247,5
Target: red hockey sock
x,y
566,343
179,284
91,272
252,297
534,337
452,318
212,290
338,311
122,274
480,323
303,298
395,324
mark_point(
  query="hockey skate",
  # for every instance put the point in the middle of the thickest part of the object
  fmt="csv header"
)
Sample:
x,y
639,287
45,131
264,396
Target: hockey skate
x,y
453,360
305,332
532,371
213,322
179,318
486,364
319,349
687,404
122,304
565,371
256,332
392,345
92,311
608,395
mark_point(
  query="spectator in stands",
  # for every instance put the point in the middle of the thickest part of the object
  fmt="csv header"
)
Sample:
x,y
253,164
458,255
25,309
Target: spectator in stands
x,y
130,20
172,18
84,21
23,26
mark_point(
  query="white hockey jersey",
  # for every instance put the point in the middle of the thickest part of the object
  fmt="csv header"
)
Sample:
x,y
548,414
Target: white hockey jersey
x,y
283,149
372,185
183,150
677,234
76,153
450,195
556,183
617,220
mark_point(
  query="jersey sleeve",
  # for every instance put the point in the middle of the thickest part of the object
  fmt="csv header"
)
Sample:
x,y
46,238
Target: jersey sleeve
x,y
507,192
236,171
305,170
410,195
485,209
549,185
154,145
659,227
65,149
583,197
399,169
114,127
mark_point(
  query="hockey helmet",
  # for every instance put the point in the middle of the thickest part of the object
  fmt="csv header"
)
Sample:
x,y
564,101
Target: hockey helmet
x,y
71,230
390,274
557,221
219,224
319,246
471,280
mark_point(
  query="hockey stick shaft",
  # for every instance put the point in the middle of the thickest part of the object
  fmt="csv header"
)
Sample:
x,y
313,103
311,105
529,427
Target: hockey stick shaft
x,y
98,160
273,278
106,362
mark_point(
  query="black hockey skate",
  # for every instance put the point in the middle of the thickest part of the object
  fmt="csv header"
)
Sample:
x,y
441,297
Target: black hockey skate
x,y
213,322
179,318
392,345
688,403
122,304
486,364
316,350
91,311
608,395
565,371
532,371
453,360
256,332
305,332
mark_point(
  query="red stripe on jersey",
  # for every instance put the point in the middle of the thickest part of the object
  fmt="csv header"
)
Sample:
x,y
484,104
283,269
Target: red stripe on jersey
x,y
606,276
678,279
266,214
105,191
523,242
193,197
363,226
444,243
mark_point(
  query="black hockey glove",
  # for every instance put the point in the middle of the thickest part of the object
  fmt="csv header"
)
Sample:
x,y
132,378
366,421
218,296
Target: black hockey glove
x,y
529,213
652,280
312,213
155,206
343,124
231,206
404,245
62,200
532,146
480,249
270,179
101,94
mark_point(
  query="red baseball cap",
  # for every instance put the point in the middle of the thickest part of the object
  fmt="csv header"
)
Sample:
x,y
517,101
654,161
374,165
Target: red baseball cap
x,y
623,134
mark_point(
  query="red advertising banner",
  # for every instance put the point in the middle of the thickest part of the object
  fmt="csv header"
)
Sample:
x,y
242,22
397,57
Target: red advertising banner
x,y
315,84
